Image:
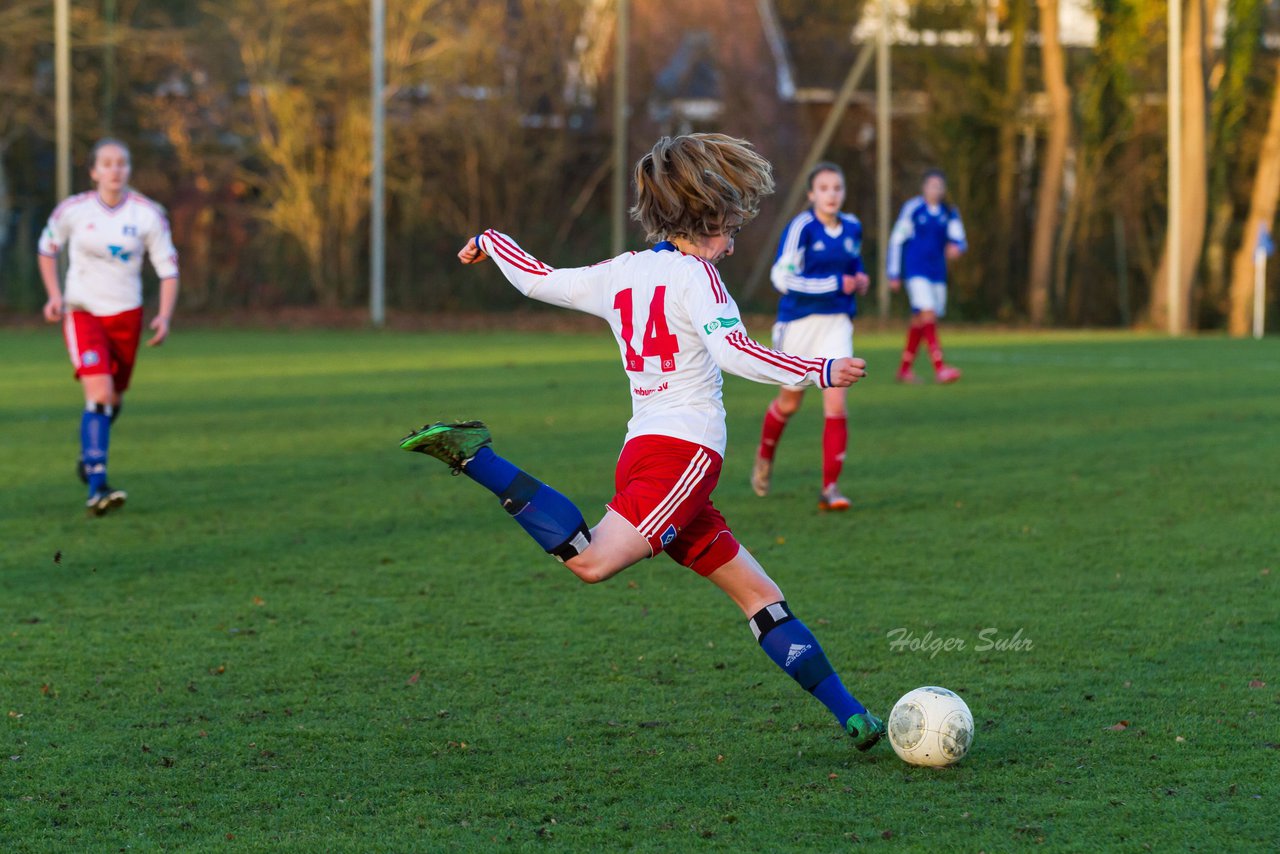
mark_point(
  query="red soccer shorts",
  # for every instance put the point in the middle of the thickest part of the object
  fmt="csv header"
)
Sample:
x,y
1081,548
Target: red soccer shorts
x,y
106,344
664,490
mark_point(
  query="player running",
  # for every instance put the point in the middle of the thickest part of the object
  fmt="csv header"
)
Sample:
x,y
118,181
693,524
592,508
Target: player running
x,y
926,236
818,271
106,232
677,327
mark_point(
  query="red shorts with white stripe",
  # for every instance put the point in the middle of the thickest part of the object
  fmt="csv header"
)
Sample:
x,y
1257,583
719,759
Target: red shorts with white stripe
x,y
664,490
106,344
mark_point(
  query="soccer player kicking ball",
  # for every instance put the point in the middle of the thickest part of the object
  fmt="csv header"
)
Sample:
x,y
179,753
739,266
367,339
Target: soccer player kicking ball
x,y
926,236
677,327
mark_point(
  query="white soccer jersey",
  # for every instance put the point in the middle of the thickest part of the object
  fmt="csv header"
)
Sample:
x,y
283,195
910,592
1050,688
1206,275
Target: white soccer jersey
x,y
106,246
676,327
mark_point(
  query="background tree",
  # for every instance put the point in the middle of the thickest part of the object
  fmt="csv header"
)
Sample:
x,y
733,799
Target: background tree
x,y
1049,196
1262,213
1009,229
1196,45
1231,82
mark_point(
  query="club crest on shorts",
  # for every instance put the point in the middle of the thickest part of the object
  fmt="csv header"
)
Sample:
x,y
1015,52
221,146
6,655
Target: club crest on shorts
x,y
90,358
668,535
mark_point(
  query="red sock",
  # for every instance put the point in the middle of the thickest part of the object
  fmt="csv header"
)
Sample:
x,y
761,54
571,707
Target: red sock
x,y
771,432
835,439
930,332
913,344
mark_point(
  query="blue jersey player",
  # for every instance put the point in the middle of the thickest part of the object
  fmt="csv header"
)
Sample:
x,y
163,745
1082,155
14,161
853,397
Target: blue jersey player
x,y
819,272
926,236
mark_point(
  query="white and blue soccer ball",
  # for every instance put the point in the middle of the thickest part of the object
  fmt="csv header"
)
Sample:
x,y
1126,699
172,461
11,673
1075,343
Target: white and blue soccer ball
x,y
931,726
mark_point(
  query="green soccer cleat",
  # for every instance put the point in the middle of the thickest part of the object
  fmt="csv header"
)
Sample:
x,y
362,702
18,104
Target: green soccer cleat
x,y
453,444
866,730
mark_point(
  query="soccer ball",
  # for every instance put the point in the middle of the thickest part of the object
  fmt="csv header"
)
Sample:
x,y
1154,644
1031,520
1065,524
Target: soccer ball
x,y
930,726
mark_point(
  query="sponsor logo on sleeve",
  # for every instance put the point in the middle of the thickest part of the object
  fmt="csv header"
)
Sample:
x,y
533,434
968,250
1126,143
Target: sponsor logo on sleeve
x,y
720,323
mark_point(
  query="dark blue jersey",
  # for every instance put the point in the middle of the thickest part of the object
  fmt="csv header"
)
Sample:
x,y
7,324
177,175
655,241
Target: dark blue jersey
x,y
917,246
811,263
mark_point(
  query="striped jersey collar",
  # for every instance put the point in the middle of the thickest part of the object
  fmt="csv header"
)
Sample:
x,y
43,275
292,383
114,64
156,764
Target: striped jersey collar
x,y
124,197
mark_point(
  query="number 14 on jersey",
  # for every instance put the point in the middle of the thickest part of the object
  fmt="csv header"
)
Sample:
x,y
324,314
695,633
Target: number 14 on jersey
x,y
658,340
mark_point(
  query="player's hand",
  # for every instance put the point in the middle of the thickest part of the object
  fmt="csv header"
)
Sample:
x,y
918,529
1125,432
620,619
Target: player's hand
x,y
471,254
952,251
845,372
895,284
53,309
160,327
848,284
861,283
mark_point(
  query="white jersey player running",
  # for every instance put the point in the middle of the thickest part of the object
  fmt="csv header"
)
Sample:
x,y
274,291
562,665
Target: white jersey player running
x,y
106,232
677,328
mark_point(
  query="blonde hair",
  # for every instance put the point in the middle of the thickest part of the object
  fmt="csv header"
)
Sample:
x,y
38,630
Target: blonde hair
x,y
699,184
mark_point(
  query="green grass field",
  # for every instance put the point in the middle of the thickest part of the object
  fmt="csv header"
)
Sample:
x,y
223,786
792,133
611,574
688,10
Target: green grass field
x,y
296,637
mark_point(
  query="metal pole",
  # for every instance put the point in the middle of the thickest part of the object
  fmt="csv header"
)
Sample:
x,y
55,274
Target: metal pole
x,y
1259,292
767,249
109,66
62,93
620,64
883,129
1174,237
377,219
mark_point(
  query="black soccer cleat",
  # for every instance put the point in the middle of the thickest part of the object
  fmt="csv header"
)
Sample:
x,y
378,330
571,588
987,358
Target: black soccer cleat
x,y
105,500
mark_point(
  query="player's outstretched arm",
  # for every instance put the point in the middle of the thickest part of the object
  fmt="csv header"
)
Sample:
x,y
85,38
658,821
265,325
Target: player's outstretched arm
x,y
788,276
903,230
846,371
579,288
164,258
957,242
168,300
49,275
716,317
739,354
471,253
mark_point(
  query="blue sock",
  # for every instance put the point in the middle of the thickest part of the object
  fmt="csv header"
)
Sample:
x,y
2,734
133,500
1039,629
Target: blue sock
x,y
95,434
793,647
553,521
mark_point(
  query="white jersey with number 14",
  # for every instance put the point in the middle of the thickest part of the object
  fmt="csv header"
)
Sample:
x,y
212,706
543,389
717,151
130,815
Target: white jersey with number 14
x,y
676,327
